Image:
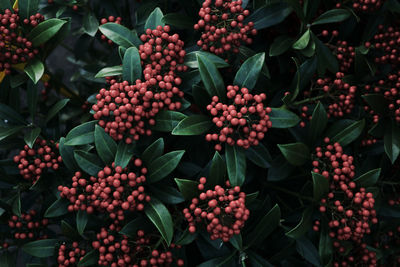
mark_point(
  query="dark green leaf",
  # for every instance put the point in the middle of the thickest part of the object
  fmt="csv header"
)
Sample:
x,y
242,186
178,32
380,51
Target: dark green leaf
x,y
256,260
280,45
269,15
248,73
58,208
333,15
377,102
167,194
186,238
369,178
5,4
119,34
6,132
265,227
193,125
392,142
188,188
91,258
280,169
325,245
178,20
236,164
132,68
109,71
236,242
259,155
191,59
304,225
88,162
161,218
167,120
54,110
26,8
350,133
8,259
320,186
296,153
124,154
153,151
307,249
32,97
9,115
90,24
217,170
81,135
45,31
319,120
81,221
16,204
41,248
164,165
283,118
303,41
67,154
130,229
31,135
105,145
69,231
326,59
154,19
212,79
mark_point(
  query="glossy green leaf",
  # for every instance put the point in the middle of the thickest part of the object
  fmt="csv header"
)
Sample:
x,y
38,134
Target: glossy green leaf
x,y
109,71
377,102
191,59
90,24
91,258
326,59
5,4
9,115
154,19
34,70
69,231
161,218
32,98
81,135
16,204
236,242
132,68
320,186
153,151
256,260
54,110
332,16
26,8
303,226
280,45
31,136
325,245
249,72
295,153
9,131
58,208
130,229
164,165
167,194
167,120
88,162
269,15
81,221
217,175
178,20
303,41
259,155
124,154
350,133
119,34
45,31
369,178
193,125
319,120
67,154
41,248
280,169
308,251
283,118
105,145
212,79
236,164
392,141
188,188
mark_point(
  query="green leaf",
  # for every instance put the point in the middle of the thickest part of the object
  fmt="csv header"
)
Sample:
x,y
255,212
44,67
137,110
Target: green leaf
x,y
167,120
5,4
212,79
304,225
67,155
369,178
45,31
81,221
31,136
392,142
236,164
217,171
119,34
34,70
154,19
236,242
350,133
132,68
109,71
88,162
41,248
269,15
186,238
178,20
280,45
153,151
296,153
188,188
259,155
191,59
319,120
308,251
130,229
16,204
26,8
326,59
332,16
6,132
377,102
58,208
91,258
283,118
320,186
124,154
161,218
105,145
167,194
54,110
81,135
325,245
8,259
193,125
32,98
69,231
249,72
90,23
256,260
264,227
9,115
164,165
303,41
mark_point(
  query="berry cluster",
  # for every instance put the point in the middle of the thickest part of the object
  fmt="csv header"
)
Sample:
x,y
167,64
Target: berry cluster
x,y
14,48
223,26
28,227
113,19
386,46
367,5
222,210
359,256
32,162
114,190
116,250
243,122
345,54
389,241
70,254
